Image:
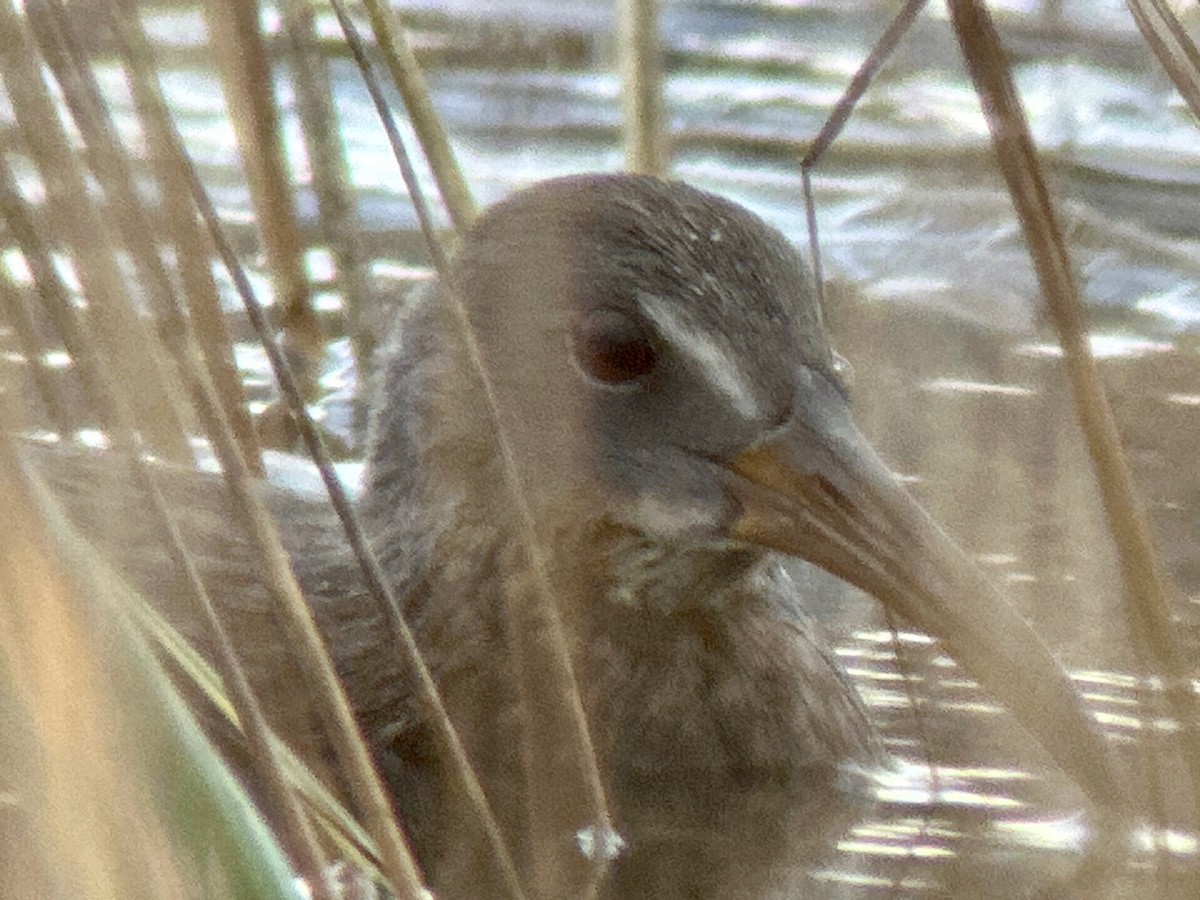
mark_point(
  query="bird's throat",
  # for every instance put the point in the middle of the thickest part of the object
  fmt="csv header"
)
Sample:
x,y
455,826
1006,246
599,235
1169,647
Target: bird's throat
x,y
634,570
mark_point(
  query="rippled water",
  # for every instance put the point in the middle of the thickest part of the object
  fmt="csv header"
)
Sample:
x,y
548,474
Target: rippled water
x,y
933,299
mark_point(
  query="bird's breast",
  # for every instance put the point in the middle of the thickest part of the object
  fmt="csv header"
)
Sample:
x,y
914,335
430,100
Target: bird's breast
x,y
711,700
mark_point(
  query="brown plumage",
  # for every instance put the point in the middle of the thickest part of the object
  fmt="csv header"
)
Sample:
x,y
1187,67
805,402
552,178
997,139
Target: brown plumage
x,y
676,418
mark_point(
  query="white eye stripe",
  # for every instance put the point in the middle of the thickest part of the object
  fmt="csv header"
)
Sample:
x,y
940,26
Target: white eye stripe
x,y
718,365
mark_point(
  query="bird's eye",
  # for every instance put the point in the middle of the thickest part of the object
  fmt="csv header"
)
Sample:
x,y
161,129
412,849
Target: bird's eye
x,y
613,347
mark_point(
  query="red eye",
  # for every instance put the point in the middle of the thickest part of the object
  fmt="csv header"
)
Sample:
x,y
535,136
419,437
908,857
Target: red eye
x,y
612,347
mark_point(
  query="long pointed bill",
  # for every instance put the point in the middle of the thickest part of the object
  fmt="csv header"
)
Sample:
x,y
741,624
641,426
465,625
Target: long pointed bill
x,y
817,490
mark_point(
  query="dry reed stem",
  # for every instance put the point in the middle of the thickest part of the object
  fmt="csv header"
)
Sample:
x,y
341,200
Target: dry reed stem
x,y
124,715
53,27
95,832
1176,51
355,759
158,411
246,76
320,126
55,298
19,317
300,838
410,82
641,67
120,427
433,245
373,574
1148,607
193,258
546,769
344,734
837,121
1089,776
337,823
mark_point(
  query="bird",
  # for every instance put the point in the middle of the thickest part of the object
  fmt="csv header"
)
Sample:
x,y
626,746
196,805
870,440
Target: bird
x,y
647,366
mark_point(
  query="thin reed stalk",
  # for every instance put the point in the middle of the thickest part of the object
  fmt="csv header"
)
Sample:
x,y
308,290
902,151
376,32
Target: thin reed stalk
x,y
159,413
1148,606
193,258
338,221
337,824
110,161
562,777
837,121
410,82
1174,47
398,862
101,382
17,314
246,76
111,772
78,340
639,50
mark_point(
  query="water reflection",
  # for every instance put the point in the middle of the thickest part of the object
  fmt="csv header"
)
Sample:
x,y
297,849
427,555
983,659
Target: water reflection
x,y
951,828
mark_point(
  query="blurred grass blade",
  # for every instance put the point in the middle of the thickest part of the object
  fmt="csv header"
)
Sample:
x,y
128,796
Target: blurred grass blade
x,y
125,797
78,225
338,824
115,171
1174,47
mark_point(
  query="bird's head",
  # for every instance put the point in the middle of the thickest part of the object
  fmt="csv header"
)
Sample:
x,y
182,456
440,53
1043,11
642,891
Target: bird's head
x,y
639,335
659,366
